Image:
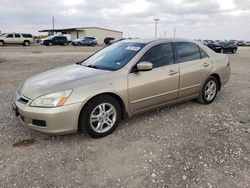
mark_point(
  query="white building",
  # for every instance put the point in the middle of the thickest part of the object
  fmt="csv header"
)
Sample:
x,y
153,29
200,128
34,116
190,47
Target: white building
x,y
97,32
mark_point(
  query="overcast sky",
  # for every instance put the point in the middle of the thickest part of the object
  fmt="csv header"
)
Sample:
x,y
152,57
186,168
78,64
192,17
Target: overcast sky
x,y
199,19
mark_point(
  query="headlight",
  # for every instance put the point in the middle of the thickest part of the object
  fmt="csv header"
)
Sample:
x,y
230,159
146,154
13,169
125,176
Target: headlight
x,y
52,100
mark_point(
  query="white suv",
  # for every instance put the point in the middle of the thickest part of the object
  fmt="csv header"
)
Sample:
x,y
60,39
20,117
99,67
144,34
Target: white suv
x,y
16,38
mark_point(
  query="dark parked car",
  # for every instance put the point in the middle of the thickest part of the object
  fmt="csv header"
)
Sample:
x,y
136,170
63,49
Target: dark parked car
x,y
221,47
116,40
241,43
85,41
55,40
108,39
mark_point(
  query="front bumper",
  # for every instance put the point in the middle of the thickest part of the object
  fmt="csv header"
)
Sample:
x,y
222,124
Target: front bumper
x,y
60,120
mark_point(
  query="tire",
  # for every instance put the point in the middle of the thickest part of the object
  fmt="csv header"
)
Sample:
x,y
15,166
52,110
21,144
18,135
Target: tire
x,y
234,51
100,110
26,43
50,44
222,50
1,43
207,95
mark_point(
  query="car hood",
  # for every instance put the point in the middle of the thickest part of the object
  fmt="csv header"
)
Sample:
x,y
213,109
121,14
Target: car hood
x,y
49,81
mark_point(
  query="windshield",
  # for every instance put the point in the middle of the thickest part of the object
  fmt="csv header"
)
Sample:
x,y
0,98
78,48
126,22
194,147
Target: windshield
x,y
114,56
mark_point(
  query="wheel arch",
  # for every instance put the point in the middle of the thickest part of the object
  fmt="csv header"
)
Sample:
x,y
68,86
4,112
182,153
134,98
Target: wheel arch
x,y
115,96
217,76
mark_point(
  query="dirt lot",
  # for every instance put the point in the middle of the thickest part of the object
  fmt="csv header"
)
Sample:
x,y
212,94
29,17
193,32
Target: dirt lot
x,y
186,145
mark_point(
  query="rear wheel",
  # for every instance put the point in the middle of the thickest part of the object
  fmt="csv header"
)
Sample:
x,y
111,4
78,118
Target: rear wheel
x,y
50,44
209,90
100,116
26,43
1,43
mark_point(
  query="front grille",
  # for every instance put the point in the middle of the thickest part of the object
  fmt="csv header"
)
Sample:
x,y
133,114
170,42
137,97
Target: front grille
x,y
20,98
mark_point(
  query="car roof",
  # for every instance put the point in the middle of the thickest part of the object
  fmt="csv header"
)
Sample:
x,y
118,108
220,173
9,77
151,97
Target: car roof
x,y
150,40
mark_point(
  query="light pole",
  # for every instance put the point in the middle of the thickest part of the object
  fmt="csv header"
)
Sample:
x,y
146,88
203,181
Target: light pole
x,y
156,21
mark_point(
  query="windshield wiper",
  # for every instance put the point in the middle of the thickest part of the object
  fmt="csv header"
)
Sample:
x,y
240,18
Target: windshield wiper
x,y
91,66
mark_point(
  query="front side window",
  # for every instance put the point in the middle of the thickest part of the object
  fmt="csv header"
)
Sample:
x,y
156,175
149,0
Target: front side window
x,y
159,55
10,36
187,51
114,56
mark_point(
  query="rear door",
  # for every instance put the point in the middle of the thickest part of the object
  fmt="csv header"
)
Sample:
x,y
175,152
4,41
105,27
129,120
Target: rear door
x,y
158,86
18,39
57,40
195,66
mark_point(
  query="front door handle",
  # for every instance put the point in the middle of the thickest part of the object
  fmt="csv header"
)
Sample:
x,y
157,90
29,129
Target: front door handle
x,y
206,64
172,72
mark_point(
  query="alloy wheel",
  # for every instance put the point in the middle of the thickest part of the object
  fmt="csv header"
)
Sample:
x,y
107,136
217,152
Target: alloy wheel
x,y
210,90
103,117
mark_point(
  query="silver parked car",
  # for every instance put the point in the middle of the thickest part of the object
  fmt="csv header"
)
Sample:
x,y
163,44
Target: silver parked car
x,y
123,79
16,38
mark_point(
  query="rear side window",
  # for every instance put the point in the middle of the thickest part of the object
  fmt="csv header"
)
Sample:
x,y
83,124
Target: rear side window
x,y
27,36
61,37
159,55
17,35
187,51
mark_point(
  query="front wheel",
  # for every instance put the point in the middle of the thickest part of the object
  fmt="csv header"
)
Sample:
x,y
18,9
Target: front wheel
x,y
209,90
1,43
100,116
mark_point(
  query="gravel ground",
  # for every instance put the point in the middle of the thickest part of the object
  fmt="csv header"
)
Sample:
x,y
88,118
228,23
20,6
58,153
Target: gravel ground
x,y
185,145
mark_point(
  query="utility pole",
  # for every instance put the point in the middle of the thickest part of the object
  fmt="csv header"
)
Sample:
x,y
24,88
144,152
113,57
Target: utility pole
x,y
174,31
156,22
165,34
53,22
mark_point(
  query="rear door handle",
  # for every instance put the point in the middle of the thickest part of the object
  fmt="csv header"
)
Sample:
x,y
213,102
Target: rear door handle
x,y
172,72
206,64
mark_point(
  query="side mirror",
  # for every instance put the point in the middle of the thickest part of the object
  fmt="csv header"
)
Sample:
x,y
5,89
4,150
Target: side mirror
x,y
144,66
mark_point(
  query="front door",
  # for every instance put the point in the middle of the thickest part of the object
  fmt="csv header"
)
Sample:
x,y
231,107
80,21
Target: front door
x,y
155,87
10,39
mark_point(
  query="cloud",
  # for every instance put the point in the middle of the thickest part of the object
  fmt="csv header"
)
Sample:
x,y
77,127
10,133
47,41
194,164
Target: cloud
x,y
215,19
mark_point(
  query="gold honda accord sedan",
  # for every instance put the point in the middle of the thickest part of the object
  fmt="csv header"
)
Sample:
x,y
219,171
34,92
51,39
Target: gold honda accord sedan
x,y
123,79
